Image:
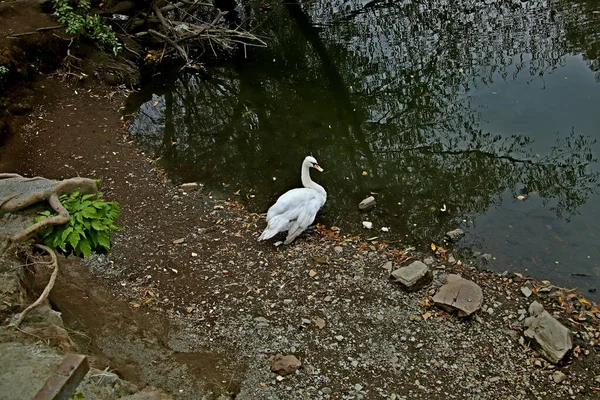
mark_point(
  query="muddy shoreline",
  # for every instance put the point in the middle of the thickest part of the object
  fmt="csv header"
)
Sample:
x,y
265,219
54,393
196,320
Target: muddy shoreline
x,y
187,300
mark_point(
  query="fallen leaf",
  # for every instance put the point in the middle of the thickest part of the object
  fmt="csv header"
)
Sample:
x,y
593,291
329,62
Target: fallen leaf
x,y
365,173
521,197
586,303
312,273
189,309
179,241
427,315
320,260
433,247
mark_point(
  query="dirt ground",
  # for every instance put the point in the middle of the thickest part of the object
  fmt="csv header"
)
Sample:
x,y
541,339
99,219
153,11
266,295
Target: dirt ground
x,y
187,300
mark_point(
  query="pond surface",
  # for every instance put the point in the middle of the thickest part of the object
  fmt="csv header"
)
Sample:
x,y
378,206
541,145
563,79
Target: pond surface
x,y
489,108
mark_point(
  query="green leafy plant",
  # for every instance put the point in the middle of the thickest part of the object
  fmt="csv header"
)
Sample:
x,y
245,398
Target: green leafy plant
x,y
89,229
3,70
79,22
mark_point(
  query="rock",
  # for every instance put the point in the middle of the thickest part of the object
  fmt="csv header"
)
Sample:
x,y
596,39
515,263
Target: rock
x,y
367,224
284,365
149,393
459,294
189,185
388,265
367,203
551,338
429,260
558,377
451,260
455,235
414,276
338,249
486,257
526,291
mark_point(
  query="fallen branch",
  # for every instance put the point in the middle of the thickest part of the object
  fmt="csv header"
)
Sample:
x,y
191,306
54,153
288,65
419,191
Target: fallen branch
x,y
18,319
38,30
171,42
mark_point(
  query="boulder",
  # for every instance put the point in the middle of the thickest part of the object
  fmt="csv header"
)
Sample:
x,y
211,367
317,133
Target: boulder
x,y
414,276
284,365
459,294
551,338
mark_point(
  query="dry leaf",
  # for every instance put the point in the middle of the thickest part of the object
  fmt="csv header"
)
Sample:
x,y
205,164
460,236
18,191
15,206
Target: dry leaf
x,y
156,102
427,315
586,303
189,309
178,241
365,173
312,273
433,247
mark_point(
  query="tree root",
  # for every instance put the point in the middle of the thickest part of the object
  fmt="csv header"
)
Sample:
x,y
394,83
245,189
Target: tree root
x,y
60,219
18,319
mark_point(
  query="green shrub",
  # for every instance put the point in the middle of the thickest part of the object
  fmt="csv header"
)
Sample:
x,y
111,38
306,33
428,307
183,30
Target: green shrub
x,y
90,227
79,22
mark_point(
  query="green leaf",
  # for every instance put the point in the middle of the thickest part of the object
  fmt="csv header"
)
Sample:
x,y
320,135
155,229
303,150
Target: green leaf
x,y
104,240
85,248
73,239
65,233
89,212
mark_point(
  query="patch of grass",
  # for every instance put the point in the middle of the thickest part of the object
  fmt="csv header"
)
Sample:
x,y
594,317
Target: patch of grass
x,y
79,22
90,227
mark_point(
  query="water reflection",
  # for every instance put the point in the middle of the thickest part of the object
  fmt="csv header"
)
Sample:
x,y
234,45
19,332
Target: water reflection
x,y
400,91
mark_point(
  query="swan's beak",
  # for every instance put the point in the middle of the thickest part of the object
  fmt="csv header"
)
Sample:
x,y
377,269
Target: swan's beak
x,y
318,168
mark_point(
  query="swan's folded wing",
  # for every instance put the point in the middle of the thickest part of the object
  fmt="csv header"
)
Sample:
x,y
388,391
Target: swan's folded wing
x,y
306,213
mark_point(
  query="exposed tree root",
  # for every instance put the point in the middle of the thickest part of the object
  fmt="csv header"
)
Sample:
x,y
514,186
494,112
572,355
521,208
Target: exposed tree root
x,y
18,318
20,193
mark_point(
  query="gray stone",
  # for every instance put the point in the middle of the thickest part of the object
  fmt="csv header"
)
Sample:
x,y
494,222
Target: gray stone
x,y
338,249
558,377
526,291
367,203
429,260
459,294
388,265
284,365
551,338
455,235
414,276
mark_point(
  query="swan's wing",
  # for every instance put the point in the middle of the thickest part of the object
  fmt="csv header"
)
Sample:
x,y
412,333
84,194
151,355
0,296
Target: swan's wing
x,y
288,202
306,214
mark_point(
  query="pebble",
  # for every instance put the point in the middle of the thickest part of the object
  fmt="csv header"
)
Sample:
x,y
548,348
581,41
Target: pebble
x,y
367,224
358,387
558,377
338,249
526,291
339,338
288,301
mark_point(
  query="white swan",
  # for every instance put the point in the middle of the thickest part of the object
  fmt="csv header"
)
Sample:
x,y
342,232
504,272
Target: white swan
x,y
296,209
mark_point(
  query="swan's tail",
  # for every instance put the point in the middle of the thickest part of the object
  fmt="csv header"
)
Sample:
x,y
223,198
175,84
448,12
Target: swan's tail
x,y
268,233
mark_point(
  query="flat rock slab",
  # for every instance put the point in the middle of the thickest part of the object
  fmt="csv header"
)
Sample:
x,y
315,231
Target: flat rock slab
x,y
414,276
459,294
285,365
550,338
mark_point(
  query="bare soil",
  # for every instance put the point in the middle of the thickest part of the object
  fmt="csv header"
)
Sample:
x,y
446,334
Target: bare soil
x,y
187,300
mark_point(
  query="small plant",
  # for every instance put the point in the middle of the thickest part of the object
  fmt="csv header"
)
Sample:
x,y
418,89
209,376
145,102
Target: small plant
x,y
92,221
3,70
79,22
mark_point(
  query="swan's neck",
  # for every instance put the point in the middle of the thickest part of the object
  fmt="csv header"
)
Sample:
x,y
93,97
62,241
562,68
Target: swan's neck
x,y
307,182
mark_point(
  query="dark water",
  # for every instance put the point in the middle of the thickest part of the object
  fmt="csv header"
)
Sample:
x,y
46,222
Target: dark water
x,y
491,108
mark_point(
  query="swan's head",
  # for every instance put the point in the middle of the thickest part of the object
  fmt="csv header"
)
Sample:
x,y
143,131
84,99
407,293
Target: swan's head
x,y
311,162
